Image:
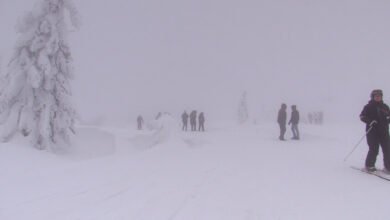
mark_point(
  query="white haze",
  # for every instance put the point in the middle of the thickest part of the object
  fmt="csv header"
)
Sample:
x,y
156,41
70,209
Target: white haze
x,y
142,57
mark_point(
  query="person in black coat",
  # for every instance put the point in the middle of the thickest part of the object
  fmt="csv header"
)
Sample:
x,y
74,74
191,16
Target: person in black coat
x,y
376,115
184,118
193,115
140,121
201,121
282,118
294,122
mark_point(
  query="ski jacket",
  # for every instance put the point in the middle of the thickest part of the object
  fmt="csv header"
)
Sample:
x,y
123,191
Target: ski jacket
x,y
193,116
379,112
294,117
184,117
282,116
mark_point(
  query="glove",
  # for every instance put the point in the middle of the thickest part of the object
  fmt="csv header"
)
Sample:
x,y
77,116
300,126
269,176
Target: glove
x,y
372,123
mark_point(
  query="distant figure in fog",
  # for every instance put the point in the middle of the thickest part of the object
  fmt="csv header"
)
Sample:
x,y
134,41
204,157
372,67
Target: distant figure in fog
x,y
193,120
294,122
140,121
158,116
282,118
184,118
201,121
310,116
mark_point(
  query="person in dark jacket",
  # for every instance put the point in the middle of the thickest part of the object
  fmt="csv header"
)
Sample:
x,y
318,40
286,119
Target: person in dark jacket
x,y
184,118
294,122
140,121
376,115
282,118
201,121
193,120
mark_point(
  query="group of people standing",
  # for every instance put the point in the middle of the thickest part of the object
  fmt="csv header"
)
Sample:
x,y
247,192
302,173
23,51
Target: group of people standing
x,y
376,115
294,120
193,116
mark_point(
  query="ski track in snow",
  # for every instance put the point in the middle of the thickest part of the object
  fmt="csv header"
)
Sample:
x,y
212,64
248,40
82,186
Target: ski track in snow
x,y
192,195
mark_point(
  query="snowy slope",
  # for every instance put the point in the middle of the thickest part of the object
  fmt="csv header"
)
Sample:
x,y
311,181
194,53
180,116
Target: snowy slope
x,y
226,173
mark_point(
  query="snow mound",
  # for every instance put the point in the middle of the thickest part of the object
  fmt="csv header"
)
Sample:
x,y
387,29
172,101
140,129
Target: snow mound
x,y
164,130
91,143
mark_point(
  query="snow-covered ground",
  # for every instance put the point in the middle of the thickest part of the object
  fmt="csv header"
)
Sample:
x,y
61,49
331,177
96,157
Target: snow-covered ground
x,y
225,173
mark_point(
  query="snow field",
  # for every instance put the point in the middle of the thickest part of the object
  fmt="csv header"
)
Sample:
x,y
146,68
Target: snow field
x,y
227,172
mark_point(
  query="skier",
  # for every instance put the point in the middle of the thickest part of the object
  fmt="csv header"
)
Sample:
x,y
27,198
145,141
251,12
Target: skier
x,y
140,121
184,118
201,121
376,115
282,118
294,122
193,120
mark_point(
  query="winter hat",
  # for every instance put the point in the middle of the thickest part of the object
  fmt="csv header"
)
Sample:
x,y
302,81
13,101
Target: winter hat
x,y
376,92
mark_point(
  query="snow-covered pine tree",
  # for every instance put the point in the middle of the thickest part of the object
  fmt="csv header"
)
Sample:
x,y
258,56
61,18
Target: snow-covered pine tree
x,y
243,114
35,91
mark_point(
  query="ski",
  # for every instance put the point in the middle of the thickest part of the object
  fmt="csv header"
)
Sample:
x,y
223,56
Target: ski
x,y
377,173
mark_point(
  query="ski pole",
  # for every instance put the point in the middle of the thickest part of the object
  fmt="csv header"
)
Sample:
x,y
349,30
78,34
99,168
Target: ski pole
x,y
369,129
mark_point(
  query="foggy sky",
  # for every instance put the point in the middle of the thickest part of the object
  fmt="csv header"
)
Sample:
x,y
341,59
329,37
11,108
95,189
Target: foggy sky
x,y
142,57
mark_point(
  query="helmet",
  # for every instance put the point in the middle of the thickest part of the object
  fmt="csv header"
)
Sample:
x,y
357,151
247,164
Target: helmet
x,y
376,92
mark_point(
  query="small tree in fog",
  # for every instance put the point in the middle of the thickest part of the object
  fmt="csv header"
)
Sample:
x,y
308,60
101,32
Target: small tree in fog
x,y
35,92
243,114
